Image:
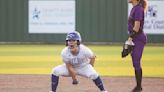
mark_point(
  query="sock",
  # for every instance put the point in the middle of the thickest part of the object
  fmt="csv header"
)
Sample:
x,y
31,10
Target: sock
x,y
54,82
138,75
99,83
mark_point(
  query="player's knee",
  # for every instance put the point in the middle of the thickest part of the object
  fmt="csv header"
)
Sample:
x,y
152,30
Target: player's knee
x,y
137,66
55,72
93,76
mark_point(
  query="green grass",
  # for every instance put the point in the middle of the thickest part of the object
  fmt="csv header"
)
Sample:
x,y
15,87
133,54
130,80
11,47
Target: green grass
x,y
40,59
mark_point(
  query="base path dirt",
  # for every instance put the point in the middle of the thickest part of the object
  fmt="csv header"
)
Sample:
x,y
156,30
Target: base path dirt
x,y
41,83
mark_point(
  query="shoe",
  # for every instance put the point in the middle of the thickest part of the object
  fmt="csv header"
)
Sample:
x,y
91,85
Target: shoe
x,y
137,89
104,91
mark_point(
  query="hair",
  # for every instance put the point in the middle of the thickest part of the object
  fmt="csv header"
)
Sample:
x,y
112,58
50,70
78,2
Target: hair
x,y
144,4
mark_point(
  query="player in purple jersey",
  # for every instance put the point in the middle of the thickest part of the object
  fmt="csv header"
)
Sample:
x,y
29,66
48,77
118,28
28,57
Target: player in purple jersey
x,y
137,36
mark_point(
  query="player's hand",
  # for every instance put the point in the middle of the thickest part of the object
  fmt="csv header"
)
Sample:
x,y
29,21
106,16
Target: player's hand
x,y
127,48
74,82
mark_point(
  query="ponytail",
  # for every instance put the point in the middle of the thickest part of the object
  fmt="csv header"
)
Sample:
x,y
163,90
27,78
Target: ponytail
x,y
144,4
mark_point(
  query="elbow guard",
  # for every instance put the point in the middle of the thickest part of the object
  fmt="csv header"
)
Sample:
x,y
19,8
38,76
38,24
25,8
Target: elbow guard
x,y
133,34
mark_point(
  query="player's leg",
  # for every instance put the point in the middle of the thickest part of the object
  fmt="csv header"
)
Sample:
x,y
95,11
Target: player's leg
x,y
99,84
136,58
54,82
60,70
89,72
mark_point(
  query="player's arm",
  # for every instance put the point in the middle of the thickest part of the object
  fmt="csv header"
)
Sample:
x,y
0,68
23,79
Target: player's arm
x,y
90,55
71,71
135,30
92,60
136,26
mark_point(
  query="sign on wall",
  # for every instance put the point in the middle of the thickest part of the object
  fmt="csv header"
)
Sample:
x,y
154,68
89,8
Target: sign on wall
x,y
51,16
154,17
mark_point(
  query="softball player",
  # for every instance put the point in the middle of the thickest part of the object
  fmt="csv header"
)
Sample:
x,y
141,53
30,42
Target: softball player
x,y
136,35
78,60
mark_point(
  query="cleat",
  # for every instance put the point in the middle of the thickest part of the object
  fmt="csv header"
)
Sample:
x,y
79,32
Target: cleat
x,y
137,89
104,91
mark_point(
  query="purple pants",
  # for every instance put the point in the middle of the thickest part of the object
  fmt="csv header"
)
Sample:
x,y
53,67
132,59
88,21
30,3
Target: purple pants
x,y
137,54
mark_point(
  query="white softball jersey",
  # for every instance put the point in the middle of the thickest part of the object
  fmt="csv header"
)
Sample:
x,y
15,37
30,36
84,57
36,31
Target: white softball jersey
x,y
80,63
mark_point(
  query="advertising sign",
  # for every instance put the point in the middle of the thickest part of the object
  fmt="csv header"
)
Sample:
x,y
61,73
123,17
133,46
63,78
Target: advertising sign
x,y
51,16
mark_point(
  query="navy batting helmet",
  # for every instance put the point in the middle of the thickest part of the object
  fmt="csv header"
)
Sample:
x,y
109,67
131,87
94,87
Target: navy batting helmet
x,y
73,36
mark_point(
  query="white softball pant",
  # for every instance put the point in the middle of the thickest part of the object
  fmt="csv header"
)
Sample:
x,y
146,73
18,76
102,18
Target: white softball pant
x,y
86,71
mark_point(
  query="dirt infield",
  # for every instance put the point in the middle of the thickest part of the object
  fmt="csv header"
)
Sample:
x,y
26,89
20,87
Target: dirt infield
x,y
41,83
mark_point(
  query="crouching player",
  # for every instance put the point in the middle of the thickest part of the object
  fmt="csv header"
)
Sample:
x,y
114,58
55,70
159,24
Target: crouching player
x,y
78,60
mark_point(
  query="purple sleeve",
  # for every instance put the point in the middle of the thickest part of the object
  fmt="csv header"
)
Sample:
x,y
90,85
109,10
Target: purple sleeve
x,y
138,14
